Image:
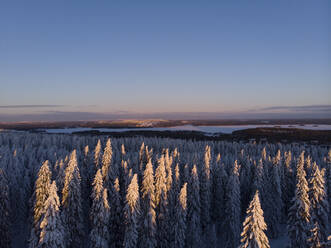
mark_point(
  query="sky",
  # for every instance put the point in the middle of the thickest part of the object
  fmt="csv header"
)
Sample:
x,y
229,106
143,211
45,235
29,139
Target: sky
x,y
121,59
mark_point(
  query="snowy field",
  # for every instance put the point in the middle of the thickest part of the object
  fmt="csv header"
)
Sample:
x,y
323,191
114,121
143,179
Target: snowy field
x,y
205,129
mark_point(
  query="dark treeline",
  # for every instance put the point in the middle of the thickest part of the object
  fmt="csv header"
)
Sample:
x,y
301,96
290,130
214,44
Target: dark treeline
x,y
93,191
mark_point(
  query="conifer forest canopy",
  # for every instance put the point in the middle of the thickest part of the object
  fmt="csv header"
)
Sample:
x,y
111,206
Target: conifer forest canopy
x,y
63,190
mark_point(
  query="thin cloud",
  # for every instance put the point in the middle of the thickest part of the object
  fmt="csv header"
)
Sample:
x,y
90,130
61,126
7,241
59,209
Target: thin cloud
x,y
274,112
30,106
307,108
92,116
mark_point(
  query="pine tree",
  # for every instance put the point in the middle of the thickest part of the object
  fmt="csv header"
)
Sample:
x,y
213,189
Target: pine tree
x,y
99,214
72,203
319,204
299,217
233,208
52,230
193,231
131,214
254,226
179,227
4,212
147,236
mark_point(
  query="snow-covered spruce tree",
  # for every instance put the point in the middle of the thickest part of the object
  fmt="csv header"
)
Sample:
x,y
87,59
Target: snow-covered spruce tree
x,y
124,180
97,156
193,230
40,195
142,157
131,214
288,185
89,169
274,202
147,237
15,177
328,181
254,226
268,185
176,181
307,167
106,164
123,152
299,216
52,230
162,222
185,173
173,204
218,195
168,167
99,214
233,208
259,178
314,240
179,226
319,205
86,164
72,204
4,212
264,154
86,182
116,216
327,244
60,175
41,191
160,180
245,179
205,184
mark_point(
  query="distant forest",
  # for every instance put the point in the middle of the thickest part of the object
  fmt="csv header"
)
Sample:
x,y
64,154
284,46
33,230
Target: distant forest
x,y
73,191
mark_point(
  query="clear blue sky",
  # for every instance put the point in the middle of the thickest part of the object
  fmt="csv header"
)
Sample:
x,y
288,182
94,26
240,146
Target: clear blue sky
x,y
163,56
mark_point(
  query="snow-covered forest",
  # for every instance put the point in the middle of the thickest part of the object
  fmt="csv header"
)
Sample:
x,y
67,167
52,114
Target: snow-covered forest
x,y
95,191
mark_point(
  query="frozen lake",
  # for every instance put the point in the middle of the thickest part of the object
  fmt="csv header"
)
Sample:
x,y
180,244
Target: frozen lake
x,y
205,129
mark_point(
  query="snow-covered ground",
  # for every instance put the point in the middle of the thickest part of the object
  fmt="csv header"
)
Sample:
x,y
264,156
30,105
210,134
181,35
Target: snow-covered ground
x,y
205,129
